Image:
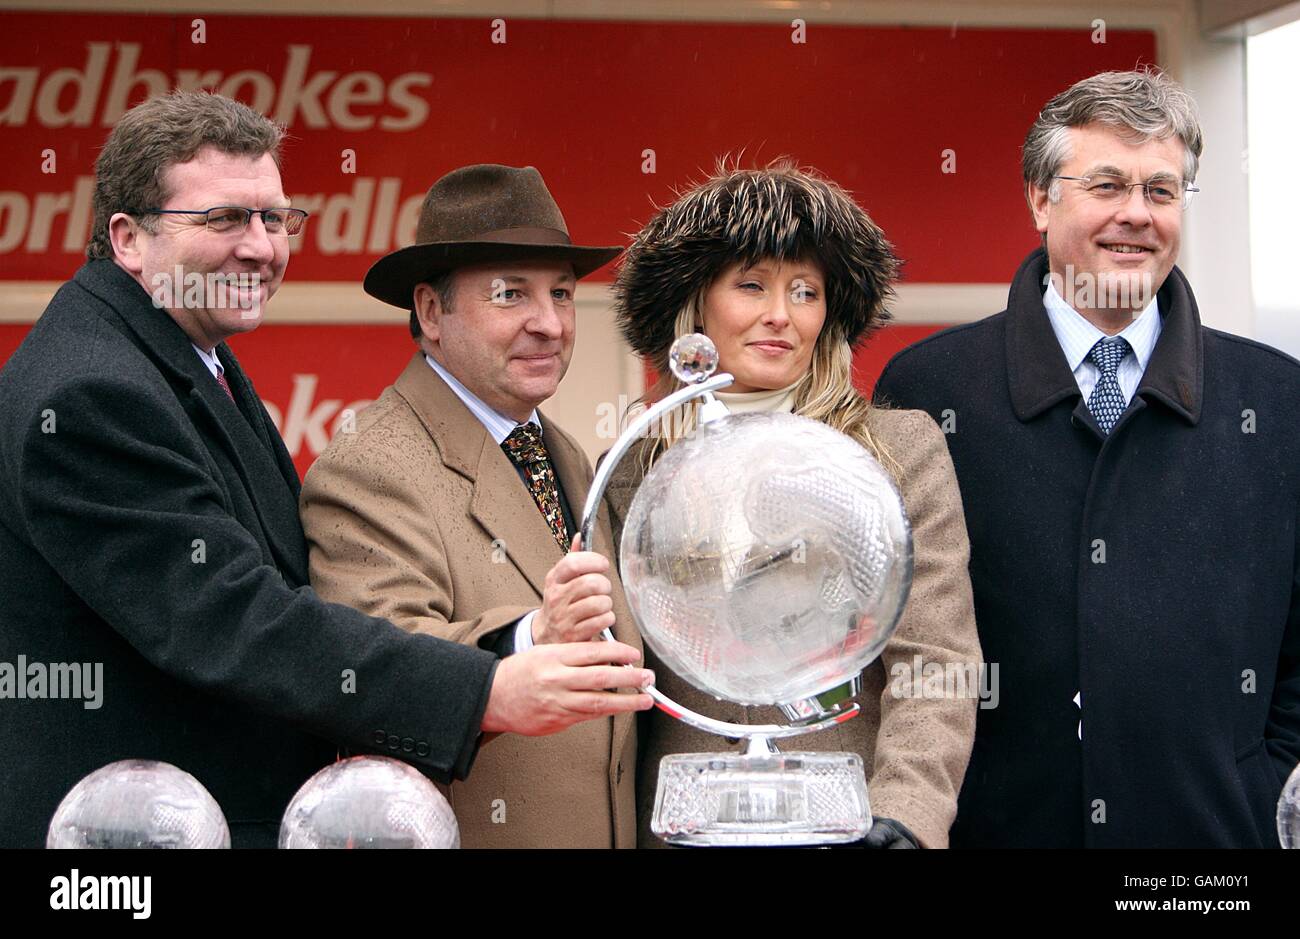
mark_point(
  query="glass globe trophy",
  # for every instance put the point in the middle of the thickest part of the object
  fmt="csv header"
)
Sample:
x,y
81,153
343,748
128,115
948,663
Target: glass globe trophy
x,y
766,559
138,804
1288,811
369,802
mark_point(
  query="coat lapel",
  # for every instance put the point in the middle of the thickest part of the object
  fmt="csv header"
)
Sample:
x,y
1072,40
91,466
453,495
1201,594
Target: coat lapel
x,y
248,401
506,510
503,506
157,335
265,465
1175,376
501,503
1038,375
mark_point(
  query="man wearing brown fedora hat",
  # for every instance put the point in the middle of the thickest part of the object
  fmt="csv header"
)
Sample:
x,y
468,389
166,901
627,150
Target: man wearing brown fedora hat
x,y
149,523
452,508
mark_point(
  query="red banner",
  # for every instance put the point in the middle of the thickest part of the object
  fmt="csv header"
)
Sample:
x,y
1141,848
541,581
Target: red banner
x,y
924,125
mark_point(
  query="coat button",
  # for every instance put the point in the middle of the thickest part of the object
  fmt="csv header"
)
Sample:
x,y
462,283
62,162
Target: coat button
x,y
380,737
408,744
421,749
394,741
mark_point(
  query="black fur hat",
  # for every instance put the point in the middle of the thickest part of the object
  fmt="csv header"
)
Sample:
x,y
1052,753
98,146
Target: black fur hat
x,y
781,212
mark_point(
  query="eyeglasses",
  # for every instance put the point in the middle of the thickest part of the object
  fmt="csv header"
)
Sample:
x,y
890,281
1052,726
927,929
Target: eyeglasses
x,y
1160,191
234,219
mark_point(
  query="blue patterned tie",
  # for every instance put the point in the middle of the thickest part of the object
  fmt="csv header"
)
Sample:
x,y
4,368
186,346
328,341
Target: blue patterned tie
x,y
1107,400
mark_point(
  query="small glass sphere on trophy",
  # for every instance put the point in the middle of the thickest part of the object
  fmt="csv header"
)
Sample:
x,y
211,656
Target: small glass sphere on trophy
x,y
1288,812
369,802
138,804
766,559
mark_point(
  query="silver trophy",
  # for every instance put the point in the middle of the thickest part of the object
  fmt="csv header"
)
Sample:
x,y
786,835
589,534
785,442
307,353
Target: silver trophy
x,y
766,559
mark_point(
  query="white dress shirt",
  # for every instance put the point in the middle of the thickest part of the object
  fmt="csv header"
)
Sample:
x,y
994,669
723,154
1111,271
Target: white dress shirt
x,y
499,427
211,361
1077,337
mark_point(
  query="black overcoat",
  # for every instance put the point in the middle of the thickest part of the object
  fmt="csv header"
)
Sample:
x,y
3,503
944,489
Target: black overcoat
x,y
1155,572
149,525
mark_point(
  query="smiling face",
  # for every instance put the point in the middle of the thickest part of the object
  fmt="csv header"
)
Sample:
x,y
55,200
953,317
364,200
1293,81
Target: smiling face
x,y
1125,241
765,321
212,178
508,335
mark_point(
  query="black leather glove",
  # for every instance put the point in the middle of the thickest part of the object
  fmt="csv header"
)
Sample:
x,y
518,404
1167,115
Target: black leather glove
x,y
888,833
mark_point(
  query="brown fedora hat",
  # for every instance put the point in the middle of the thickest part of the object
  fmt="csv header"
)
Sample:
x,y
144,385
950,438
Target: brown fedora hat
x,y
485,212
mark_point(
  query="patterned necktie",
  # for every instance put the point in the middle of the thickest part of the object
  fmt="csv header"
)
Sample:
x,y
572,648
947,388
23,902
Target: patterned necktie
x,y
225,385
525,448
1107,400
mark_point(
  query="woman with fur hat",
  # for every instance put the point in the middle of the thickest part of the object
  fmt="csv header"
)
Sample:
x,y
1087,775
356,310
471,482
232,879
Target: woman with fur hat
x,y
785,272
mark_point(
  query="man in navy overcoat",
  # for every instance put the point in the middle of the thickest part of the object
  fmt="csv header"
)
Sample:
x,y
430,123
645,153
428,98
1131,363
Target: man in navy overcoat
x,y
1131,482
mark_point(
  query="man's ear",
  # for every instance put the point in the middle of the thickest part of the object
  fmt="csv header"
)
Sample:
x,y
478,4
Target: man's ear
x,y
124,236
428,310
1038,204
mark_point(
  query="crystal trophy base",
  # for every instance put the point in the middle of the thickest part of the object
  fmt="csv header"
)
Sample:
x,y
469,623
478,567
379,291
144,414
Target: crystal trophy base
x,y
774,798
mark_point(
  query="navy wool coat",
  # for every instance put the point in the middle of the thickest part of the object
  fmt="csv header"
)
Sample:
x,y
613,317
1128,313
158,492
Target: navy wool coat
x,y
149,525
1154,572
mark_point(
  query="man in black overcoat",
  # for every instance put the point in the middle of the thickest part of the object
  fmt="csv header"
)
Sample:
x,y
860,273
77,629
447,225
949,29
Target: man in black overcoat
x,y
1131,482
153,572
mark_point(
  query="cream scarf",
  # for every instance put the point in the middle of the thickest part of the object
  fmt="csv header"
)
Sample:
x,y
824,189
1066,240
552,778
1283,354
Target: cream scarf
x,y
781,400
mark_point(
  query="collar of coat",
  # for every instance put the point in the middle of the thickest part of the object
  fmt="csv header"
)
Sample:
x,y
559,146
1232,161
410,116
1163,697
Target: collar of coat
x,y
455,429
157,335
1038,375
499,498
265,467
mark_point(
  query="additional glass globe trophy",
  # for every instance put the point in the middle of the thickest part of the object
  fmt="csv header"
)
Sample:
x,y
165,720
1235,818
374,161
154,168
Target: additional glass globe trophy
x,y
138,804
766,559
1288,811
369,802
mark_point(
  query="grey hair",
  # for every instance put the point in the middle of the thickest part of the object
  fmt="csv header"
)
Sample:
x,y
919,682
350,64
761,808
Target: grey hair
x,y
443,286
1146,103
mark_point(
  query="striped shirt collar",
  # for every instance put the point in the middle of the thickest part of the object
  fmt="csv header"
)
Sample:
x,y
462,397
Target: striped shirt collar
x,y
1077,336
497,425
